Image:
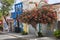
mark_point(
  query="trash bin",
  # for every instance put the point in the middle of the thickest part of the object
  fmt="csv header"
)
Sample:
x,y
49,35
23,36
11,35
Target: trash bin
x,y
21,27
17,30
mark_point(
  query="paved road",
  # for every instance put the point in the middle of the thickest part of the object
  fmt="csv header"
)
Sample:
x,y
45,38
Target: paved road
x,y
6,36
44,38
14,36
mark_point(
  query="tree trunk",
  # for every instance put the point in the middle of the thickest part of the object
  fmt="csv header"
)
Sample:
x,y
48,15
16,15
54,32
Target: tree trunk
x,y
34,26
5,19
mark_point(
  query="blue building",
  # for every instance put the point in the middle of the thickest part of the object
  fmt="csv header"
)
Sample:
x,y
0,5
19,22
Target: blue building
x,y
18,11
19,8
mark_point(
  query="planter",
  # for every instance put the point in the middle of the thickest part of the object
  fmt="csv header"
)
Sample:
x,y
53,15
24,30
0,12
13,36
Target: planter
x,y
40,34
17,30
57,34
24,33
1,28
58,37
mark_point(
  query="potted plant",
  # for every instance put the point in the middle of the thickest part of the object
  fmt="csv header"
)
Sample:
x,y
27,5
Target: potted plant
x,y
57,34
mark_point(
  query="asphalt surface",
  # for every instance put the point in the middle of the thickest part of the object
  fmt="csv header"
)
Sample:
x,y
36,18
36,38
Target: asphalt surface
x,y
16,36
4,36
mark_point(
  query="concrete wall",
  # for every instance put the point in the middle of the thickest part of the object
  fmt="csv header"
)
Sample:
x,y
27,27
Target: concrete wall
x,y
57,8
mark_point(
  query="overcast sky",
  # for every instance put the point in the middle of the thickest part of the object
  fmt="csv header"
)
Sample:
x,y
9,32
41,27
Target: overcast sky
x,y
49,1
53,1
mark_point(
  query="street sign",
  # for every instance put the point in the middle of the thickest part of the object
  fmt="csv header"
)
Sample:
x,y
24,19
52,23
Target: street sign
x,y
10,20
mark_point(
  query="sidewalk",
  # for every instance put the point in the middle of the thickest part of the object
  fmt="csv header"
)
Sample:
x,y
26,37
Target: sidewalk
x,y
30,37
18,36
44,38
22,36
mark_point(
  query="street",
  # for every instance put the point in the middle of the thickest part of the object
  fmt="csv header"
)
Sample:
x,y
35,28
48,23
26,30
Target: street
x,y
14,36
4,36
18,36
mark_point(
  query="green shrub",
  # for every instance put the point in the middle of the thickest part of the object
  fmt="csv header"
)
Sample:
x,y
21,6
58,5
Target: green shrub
x,y
1,28
24,33
40,34
57,33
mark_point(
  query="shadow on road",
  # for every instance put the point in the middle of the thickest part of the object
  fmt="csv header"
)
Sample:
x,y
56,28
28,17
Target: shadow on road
x,y
2,33
32,39
16,39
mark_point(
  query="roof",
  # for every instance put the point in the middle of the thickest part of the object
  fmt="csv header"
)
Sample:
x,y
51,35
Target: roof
x,y
52,4
56,3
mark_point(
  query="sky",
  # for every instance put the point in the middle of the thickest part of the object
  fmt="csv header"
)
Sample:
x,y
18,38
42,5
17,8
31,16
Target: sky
x,y
53,1
49,1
